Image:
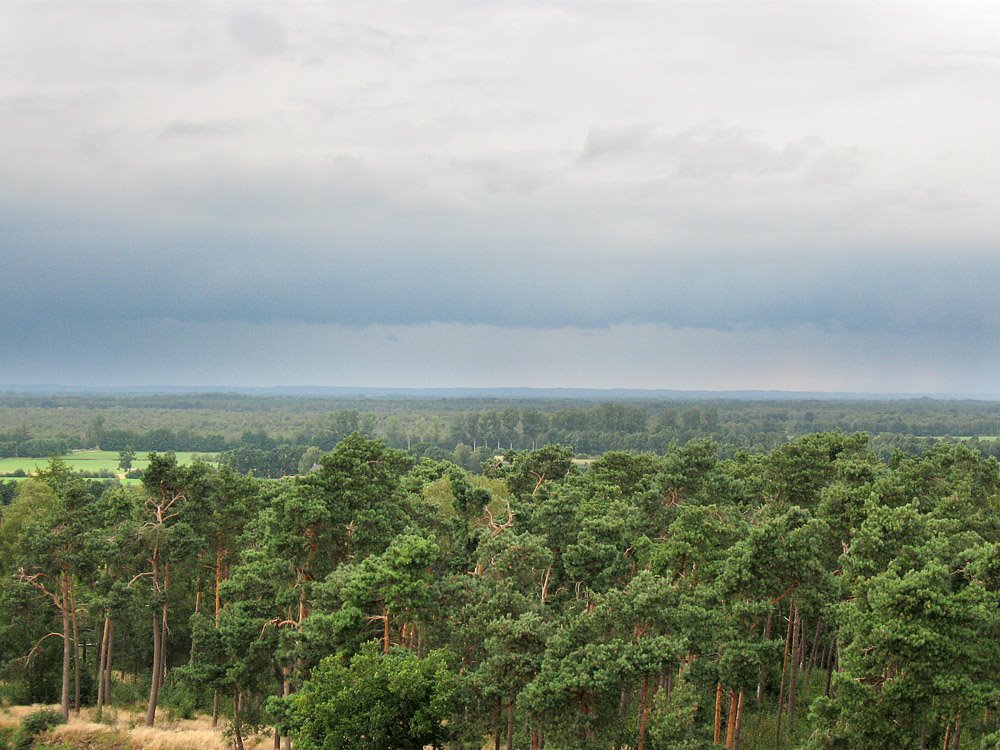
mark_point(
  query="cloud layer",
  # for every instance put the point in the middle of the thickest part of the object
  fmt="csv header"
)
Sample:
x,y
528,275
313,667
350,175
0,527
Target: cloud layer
x,y
698,174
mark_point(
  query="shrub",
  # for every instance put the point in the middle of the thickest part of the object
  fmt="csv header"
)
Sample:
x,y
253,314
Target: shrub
x,y
33,725
396,700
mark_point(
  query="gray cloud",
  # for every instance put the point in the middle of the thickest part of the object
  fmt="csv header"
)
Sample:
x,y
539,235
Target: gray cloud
x,y
203,128
715,152
260,34
713,170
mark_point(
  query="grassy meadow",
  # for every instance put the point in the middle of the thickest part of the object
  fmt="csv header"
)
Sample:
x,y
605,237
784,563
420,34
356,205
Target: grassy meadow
x,y
92,461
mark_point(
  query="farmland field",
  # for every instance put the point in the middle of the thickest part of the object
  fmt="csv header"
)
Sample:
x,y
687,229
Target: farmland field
x,y
92,461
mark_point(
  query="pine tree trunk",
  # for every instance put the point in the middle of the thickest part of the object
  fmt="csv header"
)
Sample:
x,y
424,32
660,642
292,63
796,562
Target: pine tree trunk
x,y
67,652
731,720
643,712
154,682
108,662
739,721
784,669
102,658
286,690
164,630
957,735
793,677
830,663
815,645
763,666
218,582
154,685
163,648
510,726
496,734
385,631
76,648
218,619
718,714
237,721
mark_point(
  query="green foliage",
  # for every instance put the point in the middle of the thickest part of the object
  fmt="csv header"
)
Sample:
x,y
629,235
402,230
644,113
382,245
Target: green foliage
x,y
676,722
33,725
397,701
602,604
990,742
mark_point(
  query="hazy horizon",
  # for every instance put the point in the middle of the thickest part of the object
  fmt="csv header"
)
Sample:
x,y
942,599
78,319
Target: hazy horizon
x,y
506,393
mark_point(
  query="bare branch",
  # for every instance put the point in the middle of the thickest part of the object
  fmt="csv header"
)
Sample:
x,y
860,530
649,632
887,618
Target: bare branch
x,y
34,649
498,528
34,580
137,577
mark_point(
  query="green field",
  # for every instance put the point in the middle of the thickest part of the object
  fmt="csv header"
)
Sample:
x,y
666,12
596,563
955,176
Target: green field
x,y
88,461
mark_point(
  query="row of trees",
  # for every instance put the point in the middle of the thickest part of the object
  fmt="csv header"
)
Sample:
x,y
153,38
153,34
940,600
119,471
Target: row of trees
x,y
814,596
213,423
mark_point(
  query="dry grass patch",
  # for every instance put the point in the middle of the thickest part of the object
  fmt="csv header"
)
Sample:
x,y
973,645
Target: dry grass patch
x,y
123,729
167,738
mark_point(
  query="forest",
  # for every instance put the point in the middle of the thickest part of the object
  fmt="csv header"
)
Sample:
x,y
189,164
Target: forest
x,y
275,436
814,594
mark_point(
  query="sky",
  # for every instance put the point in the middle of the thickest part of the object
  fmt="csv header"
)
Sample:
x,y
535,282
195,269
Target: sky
x,y
708,195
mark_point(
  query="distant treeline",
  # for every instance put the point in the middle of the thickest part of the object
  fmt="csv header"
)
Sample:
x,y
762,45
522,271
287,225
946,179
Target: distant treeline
x,y
273,436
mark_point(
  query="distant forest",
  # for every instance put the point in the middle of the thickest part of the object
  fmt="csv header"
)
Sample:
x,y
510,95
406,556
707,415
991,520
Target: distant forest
x,y
276,436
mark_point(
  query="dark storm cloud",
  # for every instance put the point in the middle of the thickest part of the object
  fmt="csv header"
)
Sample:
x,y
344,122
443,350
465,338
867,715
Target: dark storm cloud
x,y
130,273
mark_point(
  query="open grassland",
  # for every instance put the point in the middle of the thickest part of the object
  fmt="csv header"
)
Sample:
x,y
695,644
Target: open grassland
x,y
123,729
92,462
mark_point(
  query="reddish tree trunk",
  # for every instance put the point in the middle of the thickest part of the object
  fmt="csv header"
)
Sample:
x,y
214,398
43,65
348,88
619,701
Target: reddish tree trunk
x,y
739,722
385,630
643,712
718,714
731,720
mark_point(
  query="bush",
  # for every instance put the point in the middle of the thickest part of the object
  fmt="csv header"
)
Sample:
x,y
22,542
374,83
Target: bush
x,y
14,692
33,725
396,700
97,474
179,700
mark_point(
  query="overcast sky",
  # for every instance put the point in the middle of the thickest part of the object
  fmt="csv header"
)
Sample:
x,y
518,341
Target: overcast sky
x,y
714,195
